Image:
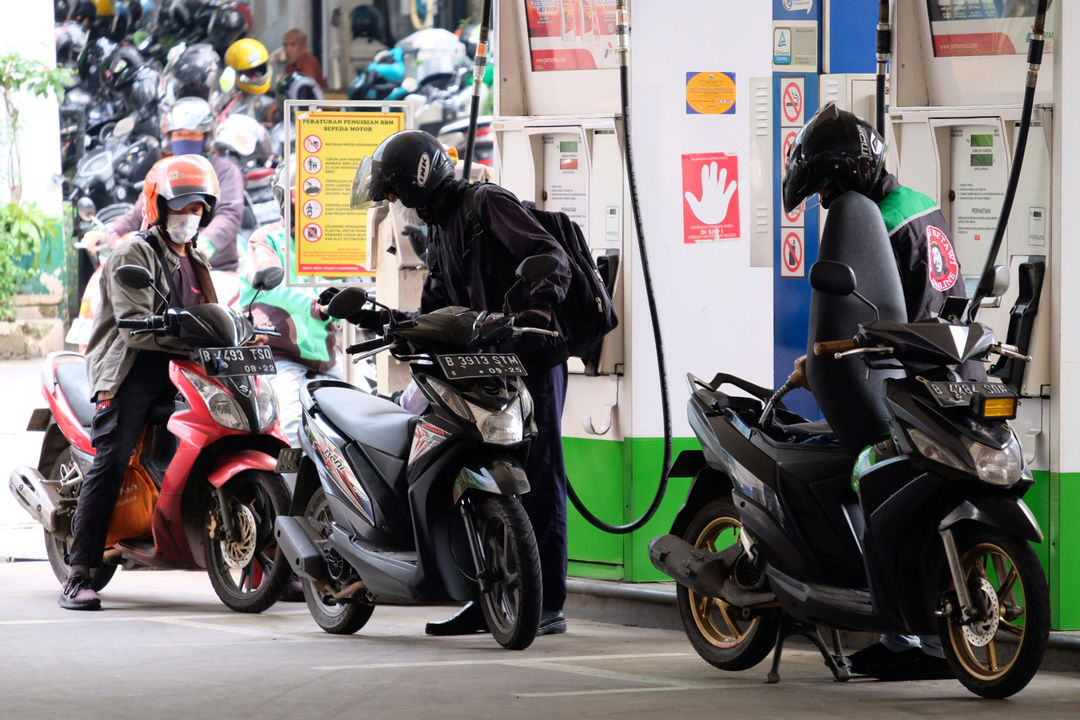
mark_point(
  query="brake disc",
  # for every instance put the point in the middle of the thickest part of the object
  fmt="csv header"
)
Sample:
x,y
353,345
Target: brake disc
x,y
980,632
239,551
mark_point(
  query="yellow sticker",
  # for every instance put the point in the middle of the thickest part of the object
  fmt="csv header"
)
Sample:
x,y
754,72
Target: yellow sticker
x,y
710,93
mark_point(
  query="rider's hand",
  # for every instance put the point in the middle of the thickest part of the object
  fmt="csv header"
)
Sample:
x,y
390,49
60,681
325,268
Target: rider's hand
x,y
328,294
94,241
373,320
534,318
259,340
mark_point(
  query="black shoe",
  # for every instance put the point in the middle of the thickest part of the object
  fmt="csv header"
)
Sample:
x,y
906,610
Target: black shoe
x,y
911,664
552,622
468,621
78,594
294,590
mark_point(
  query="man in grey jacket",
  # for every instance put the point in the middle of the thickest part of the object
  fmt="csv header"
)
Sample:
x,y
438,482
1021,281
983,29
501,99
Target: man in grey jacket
x,y
128,372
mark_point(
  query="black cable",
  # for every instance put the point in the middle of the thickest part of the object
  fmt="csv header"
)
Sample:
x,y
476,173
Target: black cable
x,y
624,88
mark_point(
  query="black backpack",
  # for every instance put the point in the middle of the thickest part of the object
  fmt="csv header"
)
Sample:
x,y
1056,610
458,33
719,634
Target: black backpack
x,y
586,314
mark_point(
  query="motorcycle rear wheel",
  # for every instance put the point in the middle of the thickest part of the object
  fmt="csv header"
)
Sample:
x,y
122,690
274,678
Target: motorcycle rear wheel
x,y
726,636
247,573
56,548
997,654
334,618
512,602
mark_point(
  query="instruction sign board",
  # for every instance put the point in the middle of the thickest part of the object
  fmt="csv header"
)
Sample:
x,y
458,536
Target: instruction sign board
x,y
795,46
331,236
571,34
710,197
710,93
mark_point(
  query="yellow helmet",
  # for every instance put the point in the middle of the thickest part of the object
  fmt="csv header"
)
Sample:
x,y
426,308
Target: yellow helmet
x,y
249,58
104,8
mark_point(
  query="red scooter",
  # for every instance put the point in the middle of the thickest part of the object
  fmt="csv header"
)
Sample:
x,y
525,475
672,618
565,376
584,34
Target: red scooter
x,y
211,452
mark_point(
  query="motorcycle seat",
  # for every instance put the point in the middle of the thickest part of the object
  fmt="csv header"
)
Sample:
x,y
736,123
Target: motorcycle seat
x,y
76,388
371,420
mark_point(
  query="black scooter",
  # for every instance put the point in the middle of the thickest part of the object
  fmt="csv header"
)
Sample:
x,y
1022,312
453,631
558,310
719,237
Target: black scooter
x,y
395,508
900,514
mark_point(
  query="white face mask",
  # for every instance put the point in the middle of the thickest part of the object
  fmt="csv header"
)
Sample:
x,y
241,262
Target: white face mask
x,y
182,228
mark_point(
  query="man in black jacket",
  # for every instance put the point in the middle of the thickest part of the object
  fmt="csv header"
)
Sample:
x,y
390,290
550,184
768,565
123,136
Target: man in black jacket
x,y
474,268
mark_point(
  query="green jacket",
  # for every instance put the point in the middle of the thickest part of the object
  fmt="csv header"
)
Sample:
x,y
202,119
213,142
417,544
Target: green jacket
x,y
111,352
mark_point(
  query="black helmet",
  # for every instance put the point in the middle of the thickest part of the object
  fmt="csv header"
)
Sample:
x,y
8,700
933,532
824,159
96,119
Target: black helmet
x,y
296,86
366,22
227,25
194,73
61,10
837,148
83,11
94,63
410,164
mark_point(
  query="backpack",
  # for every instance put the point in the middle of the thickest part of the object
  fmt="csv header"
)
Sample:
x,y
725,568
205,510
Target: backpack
x,y
586,314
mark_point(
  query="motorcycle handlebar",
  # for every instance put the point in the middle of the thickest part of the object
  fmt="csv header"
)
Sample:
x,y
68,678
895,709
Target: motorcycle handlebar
x,y
829,347
367,345
151,323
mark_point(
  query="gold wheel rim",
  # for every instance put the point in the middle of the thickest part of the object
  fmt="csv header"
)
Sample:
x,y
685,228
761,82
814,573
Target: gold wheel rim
x,y
995,569
716,620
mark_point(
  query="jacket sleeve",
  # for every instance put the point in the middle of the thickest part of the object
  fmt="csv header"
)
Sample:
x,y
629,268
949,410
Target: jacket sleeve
x,y
137,303
228,215
513,226
434,294
128,222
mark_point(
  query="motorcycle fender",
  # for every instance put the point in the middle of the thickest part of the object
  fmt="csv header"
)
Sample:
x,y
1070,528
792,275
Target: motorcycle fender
x,y
233,463
1010,515
499,477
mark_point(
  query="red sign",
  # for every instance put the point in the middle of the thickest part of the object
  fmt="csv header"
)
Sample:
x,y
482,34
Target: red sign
x,y
710,197
792,103
792,253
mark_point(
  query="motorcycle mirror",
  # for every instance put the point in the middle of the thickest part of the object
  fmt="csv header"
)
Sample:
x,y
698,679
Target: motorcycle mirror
x,y
86,209
832,277
997,279
135,276
536,267
347,302
267,278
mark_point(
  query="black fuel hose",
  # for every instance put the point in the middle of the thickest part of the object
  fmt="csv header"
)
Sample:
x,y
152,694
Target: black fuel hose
x,y
623,31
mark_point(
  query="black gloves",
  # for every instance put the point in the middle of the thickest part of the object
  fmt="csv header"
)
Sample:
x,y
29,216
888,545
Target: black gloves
x,y
373,319
534,318
328,294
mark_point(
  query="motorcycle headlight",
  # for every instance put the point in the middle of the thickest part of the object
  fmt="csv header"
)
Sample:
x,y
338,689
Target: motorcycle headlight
x,y
500,427
452,399
266,404
933,450
223,408
998,467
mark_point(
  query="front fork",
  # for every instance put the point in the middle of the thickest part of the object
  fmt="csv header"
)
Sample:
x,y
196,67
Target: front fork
x,y
968,611
477,552
225,512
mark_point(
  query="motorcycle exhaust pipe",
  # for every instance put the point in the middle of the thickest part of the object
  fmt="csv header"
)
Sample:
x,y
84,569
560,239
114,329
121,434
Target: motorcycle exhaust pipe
x,y
699,570
296,541
41,498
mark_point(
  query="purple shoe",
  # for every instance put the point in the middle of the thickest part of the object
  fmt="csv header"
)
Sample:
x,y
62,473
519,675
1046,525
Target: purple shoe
x,y
78,594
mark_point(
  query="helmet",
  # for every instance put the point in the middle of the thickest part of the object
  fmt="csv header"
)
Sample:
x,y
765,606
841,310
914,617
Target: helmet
x,y
139,86
104,13
194,73
837,148
226,25
83,11
366,22
243,136
250,59
124,20
411,164
71,40
61,10
295,86
183,14
176,181
189,113
94,63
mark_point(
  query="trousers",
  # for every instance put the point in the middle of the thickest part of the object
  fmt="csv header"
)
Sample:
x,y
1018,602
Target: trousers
x,y
545,503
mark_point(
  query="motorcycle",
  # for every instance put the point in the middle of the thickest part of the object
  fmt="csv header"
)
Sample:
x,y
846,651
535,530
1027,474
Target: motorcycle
x,y
396,508
901,513
211,451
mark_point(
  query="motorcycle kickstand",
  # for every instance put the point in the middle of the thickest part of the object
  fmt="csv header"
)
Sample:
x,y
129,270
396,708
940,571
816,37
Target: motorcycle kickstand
x,y
789,627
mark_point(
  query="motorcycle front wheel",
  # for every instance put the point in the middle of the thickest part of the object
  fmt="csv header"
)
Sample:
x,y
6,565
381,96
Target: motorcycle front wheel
x,y
724,635
996,654
334,617
56,547
510,592
246,571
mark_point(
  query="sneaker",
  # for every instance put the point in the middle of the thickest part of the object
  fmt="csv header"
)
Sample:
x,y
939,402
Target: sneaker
x,y
78,595
552,622
468,621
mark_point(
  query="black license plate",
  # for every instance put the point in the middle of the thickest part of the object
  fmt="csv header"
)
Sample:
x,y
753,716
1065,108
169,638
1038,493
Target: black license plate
x,y
956,394
473,366
233,361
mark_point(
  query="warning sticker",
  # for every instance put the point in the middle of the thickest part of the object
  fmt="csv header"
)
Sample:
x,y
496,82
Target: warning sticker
x,y
792,253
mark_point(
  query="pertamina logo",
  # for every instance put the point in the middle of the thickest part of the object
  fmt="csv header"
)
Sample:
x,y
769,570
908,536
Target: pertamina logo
x,y
941,260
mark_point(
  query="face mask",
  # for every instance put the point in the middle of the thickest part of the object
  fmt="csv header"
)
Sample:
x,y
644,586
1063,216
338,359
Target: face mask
x,y
182,228
187,147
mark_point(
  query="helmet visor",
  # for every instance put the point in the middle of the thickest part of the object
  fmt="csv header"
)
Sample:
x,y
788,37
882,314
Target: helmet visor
x,y
364,195
182,201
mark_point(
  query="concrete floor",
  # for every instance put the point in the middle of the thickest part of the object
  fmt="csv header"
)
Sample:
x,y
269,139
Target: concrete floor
x,y
164,647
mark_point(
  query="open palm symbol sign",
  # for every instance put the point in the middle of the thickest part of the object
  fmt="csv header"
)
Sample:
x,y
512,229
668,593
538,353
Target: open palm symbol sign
x,y
716,195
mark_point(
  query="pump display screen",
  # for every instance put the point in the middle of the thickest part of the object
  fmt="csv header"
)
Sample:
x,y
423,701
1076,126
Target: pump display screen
x,y
977,27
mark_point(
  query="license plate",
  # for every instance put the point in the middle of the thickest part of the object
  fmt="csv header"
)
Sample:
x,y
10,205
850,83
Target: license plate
x,y
474,366
956,394
233,361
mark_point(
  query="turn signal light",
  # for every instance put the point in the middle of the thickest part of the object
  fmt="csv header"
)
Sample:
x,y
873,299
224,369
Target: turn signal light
x,y
1002,407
